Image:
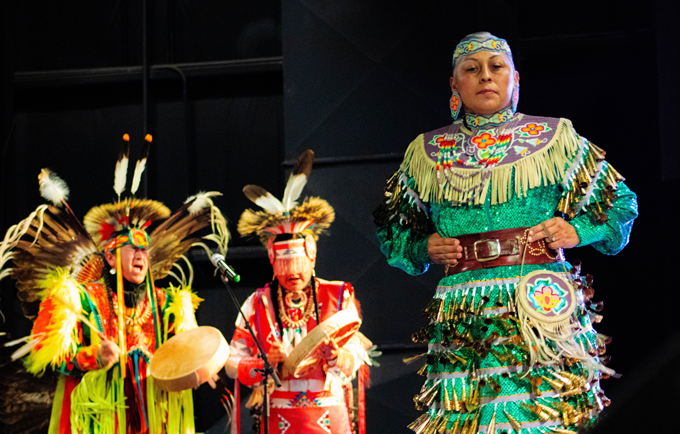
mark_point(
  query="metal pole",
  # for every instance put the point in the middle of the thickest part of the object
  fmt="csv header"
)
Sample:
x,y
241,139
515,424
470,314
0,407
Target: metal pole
x,y
145,88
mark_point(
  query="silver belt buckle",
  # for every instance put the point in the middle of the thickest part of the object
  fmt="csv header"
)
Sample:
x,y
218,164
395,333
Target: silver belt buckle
x,y
494,247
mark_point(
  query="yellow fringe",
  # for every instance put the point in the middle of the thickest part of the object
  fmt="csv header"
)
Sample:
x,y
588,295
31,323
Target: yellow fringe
x,y
182,305
169,412
59,339
95,405
546,166
98,407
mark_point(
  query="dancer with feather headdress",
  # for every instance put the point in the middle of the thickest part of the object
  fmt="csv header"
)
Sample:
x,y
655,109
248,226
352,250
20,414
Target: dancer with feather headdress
x,y
98,317
289,309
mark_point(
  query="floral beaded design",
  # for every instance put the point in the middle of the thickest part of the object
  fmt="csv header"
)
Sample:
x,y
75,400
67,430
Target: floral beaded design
x,y
527,138
482,150
533,129
483,140
548,296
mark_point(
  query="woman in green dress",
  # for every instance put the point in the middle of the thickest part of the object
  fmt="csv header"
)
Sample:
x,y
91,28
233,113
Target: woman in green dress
x,y
495,197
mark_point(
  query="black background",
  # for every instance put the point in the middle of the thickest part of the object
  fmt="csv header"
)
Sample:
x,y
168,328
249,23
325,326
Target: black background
x,y
238,89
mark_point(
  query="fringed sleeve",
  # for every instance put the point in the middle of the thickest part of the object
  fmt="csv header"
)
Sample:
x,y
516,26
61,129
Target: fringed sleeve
x,y
596,201
611,235
61,344
403,221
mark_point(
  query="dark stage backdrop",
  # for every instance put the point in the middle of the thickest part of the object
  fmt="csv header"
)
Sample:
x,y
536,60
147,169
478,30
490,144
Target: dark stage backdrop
x,y
238,89
363,79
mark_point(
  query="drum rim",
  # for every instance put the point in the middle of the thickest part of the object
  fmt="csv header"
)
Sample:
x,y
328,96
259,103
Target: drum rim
x,y
192,379
290,370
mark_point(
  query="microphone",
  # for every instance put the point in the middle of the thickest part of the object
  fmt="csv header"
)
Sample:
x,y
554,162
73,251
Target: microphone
x,y
226,270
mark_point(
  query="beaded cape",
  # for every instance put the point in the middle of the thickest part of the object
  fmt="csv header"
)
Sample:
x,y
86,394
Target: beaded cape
x,y
448,164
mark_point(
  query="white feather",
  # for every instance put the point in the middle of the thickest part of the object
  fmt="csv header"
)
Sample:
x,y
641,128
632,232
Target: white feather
x,y
293,190
21,340
120,176
263,199
137,177
270,204
25,349
52,188
200,201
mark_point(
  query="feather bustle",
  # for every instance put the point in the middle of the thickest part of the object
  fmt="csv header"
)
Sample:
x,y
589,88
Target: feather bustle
x,y
173,238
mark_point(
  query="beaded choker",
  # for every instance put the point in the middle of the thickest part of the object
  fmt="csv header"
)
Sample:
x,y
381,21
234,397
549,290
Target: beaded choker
x,y
135,317
283,310
497,119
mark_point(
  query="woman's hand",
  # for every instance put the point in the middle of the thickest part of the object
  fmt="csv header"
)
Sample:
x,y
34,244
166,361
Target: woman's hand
x,y
557,232
444,250
108,354
276,353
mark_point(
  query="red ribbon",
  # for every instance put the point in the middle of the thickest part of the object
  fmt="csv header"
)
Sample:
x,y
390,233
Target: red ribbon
x,y
363,376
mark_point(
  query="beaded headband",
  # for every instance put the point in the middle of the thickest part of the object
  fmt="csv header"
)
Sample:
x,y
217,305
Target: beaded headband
x,y
476,42
134,236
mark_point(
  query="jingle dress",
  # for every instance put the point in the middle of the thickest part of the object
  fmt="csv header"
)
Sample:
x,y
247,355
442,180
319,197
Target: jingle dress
x,y
89,399
509,171
314,403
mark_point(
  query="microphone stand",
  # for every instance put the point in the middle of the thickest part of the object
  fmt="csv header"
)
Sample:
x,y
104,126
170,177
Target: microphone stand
x,y
268,370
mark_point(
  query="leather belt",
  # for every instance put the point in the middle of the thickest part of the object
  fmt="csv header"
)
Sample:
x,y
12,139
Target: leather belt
x,y
501,248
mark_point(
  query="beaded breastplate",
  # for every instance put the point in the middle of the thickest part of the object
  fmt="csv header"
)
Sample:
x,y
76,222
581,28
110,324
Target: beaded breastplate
x,y
457,146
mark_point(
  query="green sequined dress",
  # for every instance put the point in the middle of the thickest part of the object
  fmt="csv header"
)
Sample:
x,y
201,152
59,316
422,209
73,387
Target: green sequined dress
x,y
478,378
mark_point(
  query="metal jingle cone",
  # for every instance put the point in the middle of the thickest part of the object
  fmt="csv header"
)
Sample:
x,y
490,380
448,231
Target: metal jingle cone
x,y
455,401
555,384
491,429
466,425
553,413
517,426
475,423
447,401
419,424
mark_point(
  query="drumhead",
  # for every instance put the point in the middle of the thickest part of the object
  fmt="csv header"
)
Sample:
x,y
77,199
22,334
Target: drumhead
x,y
341,327
189,359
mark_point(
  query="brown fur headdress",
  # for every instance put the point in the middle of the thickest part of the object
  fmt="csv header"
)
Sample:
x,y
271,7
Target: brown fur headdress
x,y
285,216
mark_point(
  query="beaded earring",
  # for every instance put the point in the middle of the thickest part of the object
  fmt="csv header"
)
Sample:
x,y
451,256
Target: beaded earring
x,y
515,98
112,271
454,104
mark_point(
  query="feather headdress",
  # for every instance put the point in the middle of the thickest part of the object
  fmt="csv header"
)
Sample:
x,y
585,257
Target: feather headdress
x,y
52,237
312,217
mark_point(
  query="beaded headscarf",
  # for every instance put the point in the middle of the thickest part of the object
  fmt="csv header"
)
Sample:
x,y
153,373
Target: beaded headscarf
x,y
480,41
474,43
